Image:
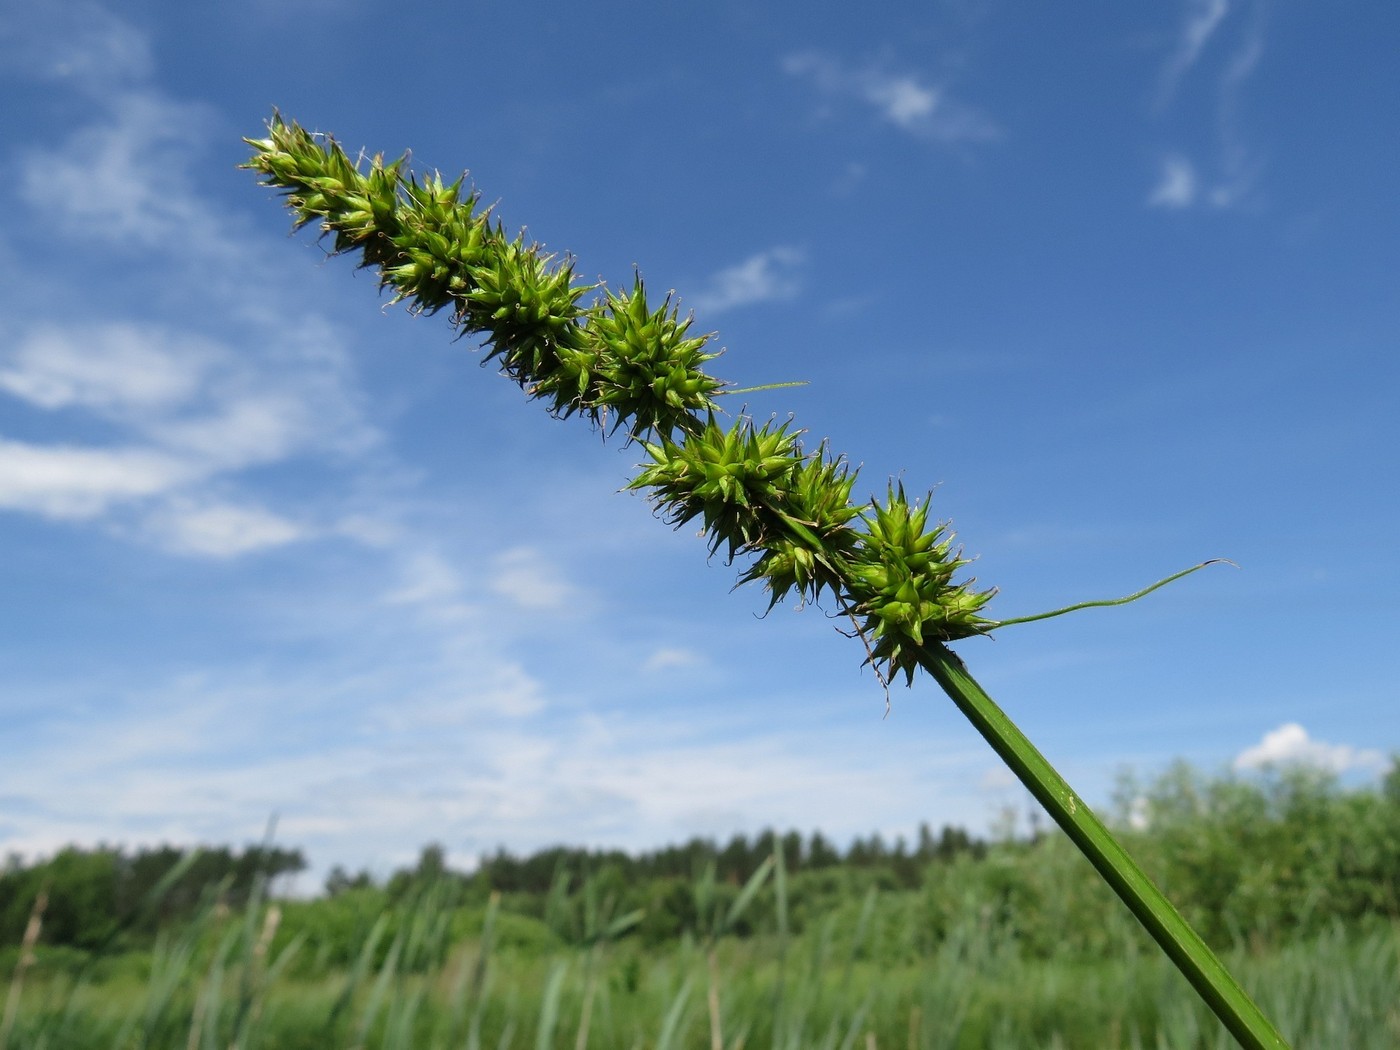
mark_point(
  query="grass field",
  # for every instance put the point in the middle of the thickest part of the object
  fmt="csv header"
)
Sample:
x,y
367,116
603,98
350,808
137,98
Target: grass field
x,y
432,976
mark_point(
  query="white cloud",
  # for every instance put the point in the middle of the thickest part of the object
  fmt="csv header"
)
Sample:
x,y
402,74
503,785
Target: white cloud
x,y
196,398
903,100
372,531
63,481
670,658
249,427
1239,166
923,110
1203,18
81,45
116,367
764,277
1235,169
222,530
124,183
427,579
1139,813
1290,744
527,580
180,408
1176,187
187,409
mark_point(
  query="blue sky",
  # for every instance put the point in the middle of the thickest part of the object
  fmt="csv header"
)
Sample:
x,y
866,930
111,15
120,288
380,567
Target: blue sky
x,y
1118,283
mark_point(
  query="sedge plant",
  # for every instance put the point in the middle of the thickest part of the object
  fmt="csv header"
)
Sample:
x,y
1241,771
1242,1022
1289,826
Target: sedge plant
x,y
630,364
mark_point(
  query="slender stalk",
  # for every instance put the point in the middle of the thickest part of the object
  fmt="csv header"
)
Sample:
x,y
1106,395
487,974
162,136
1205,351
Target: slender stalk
x,y
1108,603
1192,956
620,362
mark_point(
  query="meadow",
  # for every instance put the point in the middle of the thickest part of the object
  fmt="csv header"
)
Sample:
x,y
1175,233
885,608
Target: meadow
x,y
948,943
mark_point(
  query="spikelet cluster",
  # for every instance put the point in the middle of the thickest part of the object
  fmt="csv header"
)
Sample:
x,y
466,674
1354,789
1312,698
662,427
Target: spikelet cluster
x,y
622,362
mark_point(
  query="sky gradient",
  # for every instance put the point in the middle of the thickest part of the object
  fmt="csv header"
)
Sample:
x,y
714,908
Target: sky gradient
x,y
1121,286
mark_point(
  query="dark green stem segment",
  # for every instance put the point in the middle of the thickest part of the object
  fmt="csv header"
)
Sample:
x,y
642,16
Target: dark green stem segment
x,y
1192,956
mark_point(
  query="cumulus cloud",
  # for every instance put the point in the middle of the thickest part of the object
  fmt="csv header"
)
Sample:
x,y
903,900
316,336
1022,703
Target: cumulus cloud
x,y
923,110
1290,744
763,277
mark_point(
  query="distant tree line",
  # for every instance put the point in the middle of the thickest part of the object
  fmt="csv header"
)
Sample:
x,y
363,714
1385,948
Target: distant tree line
x,y
1272,856
734,861
95,895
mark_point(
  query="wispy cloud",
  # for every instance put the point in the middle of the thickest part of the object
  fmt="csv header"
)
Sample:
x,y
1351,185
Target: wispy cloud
x,y
222,530
1176,188
763,277
1290,744
1202,19
903,99
472,762
526,578
64,481
80,45
186,410
672,658
159,402
1231,174
123,181
115,367
371,696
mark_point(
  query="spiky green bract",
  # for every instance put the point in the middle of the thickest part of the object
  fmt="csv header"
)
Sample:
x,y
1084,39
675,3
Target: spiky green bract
x,y
625,363
733,480
616,362
907,597
639,365
810,553
758,492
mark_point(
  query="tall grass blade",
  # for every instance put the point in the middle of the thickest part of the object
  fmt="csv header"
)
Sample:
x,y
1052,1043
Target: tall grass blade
x,y
747,894
359,972
862,932
379,991
549,1007
672,1026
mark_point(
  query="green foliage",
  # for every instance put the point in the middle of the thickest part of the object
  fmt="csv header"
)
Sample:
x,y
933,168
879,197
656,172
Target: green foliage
x,y
95,895
854,974
1274,855
1251,860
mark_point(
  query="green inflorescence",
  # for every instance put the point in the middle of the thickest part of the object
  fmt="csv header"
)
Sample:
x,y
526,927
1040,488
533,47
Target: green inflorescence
x,y
623,363
758,493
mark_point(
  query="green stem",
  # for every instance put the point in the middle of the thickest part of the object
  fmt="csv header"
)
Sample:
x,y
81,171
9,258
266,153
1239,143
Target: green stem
x,y
620,360
1222,993
1106,603
730,391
